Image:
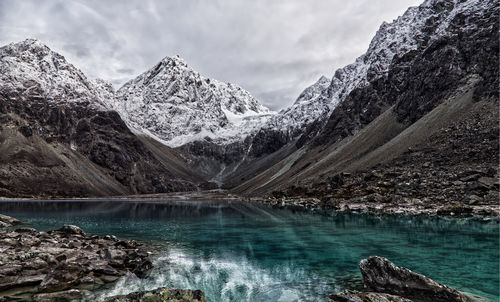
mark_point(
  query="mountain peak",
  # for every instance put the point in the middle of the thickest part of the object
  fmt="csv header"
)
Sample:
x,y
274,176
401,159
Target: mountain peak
x,y
176,104
34,46
175,61
323,79
32,69
314,91
31,42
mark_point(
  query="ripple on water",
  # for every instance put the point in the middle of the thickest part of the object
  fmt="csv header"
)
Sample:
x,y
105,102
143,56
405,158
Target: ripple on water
x,y
242,252
226,279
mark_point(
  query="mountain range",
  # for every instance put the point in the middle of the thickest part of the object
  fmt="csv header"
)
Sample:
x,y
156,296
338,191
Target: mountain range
x,y
424,97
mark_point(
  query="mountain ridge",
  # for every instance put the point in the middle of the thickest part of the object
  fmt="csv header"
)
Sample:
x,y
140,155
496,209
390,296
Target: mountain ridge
x,y
59,138
217,132
448,82
187,106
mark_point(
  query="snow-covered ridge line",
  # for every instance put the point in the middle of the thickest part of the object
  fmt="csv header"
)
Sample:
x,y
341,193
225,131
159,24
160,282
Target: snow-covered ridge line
x,y
416,27
178,105
34,70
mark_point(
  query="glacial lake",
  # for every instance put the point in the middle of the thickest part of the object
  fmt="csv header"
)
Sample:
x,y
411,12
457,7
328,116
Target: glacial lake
x,y
235,251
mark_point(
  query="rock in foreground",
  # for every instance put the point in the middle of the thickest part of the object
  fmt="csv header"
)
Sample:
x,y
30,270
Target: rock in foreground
x,y
7,221
161,295
354,296
381,275
63,265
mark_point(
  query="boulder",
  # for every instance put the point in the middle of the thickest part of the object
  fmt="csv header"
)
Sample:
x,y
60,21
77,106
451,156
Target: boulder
x,y
161,295
63,265
71,229
355,296
7,221
71,295
381,275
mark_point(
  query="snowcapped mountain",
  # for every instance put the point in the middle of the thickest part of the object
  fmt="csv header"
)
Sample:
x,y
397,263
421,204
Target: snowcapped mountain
x,y
177,105
417,27
308,107
427,78
33,70
223,124
59,137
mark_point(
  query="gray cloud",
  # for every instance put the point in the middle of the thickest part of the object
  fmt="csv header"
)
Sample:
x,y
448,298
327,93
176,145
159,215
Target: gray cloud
x,y
274,49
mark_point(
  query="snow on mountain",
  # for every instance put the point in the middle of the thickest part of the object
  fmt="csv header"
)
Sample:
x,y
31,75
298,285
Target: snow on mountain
x,y
177,105
312,92
305,110
416,27
32,69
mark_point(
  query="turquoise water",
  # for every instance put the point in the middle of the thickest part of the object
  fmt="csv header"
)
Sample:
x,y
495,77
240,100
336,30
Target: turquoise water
x,y
240,252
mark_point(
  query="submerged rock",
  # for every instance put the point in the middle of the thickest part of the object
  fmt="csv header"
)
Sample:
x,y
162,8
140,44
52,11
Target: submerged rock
x,y
161,295
355,296
381,275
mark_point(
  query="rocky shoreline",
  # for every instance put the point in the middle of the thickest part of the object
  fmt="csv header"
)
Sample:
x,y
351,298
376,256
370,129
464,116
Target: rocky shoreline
x,y
368,204
408,207
69,265
457,192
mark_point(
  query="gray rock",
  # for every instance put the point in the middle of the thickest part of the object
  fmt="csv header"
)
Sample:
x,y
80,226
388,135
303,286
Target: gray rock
x,y
355,296
7,221
381,275
71,229
161,294
473,199
53,266
71,295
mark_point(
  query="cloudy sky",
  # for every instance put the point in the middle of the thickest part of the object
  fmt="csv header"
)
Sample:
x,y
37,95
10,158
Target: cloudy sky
x,y
272,48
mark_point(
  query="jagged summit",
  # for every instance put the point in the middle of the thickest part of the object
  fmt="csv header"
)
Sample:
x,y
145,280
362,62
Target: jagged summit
x,y
310,105
174,60
32,69
176,104
313,91
30,44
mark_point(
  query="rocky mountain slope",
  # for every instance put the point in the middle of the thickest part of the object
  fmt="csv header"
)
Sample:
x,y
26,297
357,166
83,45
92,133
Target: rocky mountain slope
x,y
392,48
414,132
221,149
425,95
405,34
57,137
209,122
30,69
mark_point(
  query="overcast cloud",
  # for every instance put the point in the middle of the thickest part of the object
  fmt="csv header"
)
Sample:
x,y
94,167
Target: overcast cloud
x,y
272,48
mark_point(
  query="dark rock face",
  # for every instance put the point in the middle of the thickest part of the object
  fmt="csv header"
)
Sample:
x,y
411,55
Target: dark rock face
x,y
100,137
225,154
210,159
63,265
267,142
419,80
161,295
380,275
354,296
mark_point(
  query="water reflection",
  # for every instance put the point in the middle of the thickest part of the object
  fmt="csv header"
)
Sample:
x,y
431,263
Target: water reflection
x,y
237,251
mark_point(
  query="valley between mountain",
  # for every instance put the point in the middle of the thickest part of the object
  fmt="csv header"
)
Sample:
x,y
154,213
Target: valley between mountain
x,y
396,155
